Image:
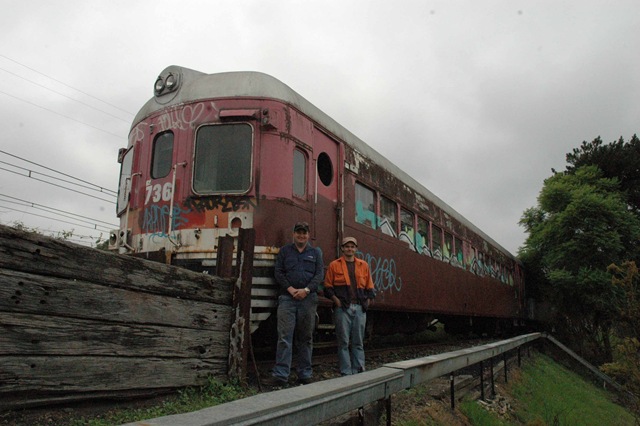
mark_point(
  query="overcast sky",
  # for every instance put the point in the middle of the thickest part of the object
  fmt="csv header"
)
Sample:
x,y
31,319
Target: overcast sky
x,y
477,100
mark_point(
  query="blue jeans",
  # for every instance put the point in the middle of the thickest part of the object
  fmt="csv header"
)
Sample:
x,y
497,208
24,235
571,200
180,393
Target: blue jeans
x,y
296,322
350,325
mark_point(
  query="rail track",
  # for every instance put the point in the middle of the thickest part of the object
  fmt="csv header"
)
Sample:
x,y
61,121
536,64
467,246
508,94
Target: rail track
x,y
325,362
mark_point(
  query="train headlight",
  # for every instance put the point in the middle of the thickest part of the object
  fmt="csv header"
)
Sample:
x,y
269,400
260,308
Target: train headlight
x,y
166,83
159,86
113,240
171,82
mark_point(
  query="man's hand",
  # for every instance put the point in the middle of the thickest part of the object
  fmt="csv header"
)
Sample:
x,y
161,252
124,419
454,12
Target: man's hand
x,y
337,302
297,293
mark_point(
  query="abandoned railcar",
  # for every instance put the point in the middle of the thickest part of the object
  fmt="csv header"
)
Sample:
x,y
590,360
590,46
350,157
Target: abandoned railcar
x,y
209,154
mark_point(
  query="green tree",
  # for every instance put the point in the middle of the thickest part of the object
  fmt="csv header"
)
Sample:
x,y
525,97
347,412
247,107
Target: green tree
x,y
625,367
627,278
618,159
581,225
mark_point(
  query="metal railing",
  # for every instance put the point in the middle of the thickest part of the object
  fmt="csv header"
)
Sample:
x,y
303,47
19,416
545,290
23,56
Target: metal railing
x,y
320,401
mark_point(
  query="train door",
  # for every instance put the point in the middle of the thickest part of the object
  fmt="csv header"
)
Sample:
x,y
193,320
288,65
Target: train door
x,y
326,158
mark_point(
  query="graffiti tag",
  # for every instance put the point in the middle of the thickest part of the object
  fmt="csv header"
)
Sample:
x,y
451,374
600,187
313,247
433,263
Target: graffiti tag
x,y
383,272
181,119
156,219
226,204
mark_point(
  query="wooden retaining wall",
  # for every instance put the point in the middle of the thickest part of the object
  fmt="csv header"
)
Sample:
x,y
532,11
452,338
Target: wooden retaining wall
x,y
78,323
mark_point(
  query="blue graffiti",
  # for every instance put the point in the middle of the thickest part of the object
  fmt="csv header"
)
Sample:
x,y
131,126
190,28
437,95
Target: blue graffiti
x,y
383,272
422,246
156,219
364,216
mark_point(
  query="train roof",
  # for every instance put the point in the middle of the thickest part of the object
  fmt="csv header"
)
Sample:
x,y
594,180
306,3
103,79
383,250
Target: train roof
x,y
195,85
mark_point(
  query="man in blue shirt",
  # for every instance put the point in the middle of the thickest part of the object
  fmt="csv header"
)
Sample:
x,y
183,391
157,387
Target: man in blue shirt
x,y
298,271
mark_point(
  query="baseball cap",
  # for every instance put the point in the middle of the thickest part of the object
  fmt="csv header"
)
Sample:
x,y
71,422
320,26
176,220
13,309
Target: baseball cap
x,y
301,225
346,240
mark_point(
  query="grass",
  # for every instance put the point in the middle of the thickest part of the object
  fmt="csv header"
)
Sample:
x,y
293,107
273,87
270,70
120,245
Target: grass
x,y
189,399
478,416
546,393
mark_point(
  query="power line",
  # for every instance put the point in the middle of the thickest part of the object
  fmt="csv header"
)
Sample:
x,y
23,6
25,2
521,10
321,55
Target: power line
x,y
59,186
65,84
56,171
63,234
53,210
62,115
32,172
62,94
95,227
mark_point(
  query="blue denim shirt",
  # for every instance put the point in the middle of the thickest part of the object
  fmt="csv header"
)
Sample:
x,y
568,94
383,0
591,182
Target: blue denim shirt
x,y
299,270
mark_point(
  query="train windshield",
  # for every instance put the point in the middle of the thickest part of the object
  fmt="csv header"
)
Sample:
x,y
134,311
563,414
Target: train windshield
x,y
223,159
125,181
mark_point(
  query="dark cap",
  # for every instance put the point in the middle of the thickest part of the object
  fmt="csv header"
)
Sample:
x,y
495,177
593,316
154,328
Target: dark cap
x,y
301,226
346,240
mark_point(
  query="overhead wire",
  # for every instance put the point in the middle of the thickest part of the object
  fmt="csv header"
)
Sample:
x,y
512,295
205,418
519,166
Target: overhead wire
x,y
61,115
85,222
56,185
97,225
65,84
56,171
103,231
62,94
65,233
53,210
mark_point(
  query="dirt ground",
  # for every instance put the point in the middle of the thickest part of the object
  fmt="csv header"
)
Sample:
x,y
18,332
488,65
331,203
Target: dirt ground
x,y
61,415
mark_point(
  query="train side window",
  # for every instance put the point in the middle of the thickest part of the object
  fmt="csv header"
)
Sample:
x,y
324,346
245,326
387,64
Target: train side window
x,y
422,237
459,251
388,216
365,206
482,263
124,188
436,241
489,266
406,227
223,158
447,250
325,169
162,157
475,261
299,173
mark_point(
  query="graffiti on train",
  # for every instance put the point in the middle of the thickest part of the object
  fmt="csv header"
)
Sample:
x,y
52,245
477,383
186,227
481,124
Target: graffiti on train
x,y
222,202
156,219
185,118
438,246
383,272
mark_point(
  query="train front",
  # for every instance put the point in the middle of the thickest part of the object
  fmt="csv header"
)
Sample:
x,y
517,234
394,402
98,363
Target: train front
x,y
187,175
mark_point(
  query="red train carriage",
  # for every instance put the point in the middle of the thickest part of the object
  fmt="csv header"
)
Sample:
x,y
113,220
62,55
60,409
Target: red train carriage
x,y
212,153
